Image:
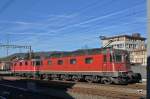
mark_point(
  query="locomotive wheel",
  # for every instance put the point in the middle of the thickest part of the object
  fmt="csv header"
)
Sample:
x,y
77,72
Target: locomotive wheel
x,y
106,81
62,77
75,78
89,80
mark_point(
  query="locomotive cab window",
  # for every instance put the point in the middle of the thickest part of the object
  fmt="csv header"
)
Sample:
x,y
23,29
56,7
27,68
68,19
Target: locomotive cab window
x,y
118,58
88,60
105,58
60,62
111,58
73,61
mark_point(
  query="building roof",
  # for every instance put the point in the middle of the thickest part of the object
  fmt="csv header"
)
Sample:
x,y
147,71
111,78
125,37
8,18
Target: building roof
x,y
77,52
84,52
127,36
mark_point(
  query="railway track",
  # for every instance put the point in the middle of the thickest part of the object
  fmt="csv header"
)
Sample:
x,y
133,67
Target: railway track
x,y
13,92
133,86
17,90
113,91
131,91
116,94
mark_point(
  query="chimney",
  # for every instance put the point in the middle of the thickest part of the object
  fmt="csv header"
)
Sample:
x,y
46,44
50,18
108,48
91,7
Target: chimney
x,y
136,35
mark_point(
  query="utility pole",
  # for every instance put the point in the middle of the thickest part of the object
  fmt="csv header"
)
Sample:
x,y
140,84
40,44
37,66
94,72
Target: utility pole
x,y
7,42
148,50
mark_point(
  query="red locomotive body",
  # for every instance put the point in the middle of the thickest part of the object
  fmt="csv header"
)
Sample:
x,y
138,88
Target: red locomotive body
x,y
94,65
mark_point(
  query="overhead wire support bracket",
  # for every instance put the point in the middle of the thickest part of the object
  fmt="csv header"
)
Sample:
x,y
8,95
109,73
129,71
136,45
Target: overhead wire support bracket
x,y
17,46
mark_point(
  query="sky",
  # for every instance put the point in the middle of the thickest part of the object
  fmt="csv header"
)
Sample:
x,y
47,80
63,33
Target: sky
x,y
65,25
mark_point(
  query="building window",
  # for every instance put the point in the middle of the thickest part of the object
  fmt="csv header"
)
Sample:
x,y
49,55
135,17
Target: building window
x,y
88,60
129,45
117,45
49,62
122,45
73,61
60,62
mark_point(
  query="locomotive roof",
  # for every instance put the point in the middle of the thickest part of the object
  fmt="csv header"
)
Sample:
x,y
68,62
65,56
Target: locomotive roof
x,y
77,52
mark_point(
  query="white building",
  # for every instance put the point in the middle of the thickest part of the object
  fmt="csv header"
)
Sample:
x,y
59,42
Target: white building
x,y
139,56
134,43
125,42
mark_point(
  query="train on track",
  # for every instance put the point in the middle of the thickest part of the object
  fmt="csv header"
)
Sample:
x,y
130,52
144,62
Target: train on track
x,y
101,65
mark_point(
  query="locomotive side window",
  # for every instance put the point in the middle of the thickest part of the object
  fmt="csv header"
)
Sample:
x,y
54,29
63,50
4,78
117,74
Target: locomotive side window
x,y
60,62
105,58
73,61
20,63
49,62
26,63
88,60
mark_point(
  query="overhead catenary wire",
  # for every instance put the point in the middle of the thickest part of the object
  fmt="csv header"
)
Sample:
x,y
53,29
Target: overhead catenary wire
x,y
57,34
131,14
113,21
103,21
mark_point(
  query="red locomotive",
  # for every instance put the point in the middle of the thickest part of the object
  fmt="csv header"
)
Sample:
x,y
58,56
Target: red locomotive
x,y
104,65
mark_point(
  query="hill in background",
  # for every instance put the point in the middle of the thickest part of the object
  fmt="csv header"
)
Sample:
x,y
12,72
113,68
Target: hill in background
x,y
25,55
